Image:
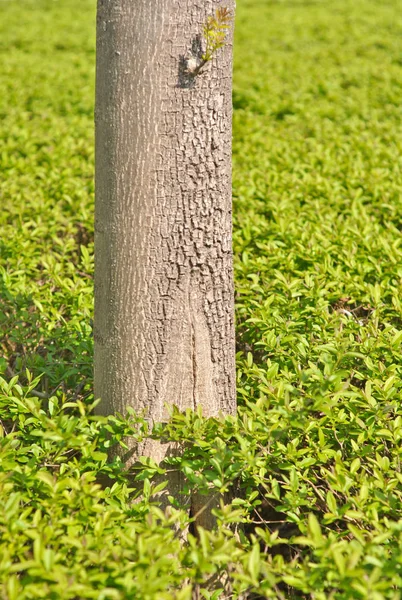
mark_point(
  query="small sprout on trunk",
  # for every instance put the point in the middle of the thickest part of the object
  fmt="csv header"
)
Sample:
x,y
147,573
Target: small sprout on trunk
x,y
215,30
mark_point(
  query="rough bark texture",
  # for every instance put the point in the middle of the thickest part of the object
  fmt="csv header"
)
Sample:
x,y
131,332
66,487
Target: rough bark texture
x,y
164,331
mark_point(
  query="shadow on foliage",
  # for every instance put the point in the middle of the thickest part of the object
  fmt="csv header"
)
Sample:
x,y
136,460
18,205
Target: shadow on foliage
x,y
62,356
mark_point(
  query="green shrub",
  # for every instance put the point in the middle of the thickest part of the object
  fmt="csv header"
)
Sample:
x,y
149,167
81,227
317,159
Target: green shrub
x,y
313,459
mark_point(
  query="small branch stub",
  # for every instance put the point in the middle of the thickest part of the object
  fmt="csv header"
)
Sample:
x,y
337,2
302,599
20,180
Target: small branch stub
x,y
214,31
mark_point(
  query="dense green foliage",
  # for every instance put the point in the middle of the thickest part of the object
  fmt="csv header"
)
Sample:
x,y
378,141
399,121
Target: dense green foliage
x,y
314,458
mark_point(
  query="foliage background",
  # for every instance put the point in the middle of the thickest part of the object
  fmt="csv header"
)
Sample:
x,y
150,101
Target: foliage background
x,y
314,458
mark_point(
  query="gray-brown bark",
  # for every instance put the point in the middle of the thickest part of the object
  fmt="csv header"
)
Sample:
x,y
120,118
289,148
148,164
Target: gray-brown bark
x,y
164,331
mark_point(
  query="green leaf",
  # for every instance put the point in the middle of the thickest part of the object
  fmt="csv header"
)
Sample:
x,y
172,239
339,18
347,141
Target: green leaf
x,y
355,466
254,563
331,503
315,529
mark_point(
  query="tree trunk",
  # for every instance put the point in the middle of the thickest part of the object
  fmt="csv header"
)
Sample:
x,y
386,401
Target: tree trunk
x,y
164,330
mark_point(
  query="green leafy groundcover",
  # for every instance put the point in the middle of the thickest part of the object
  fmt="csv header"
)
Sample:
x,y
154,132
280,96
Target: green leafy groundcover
x,y
313,460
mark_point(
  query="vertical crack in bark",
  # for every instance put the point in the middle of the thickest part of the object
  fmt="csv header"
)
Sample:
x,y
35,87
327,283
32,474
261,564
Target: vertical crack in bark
x,y
193,350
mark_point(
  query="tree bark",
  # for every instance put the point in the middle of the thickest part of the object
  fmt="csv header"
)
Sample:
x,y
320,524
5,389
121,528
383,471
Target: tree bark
x,y
164,315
